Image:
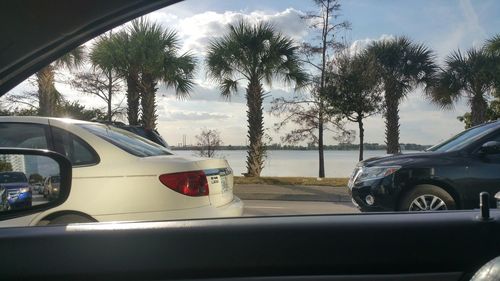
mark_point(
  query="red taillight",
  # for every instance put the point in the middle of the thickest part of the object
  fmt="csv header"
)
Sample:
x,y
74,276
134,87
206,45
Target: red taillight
x,y
187,183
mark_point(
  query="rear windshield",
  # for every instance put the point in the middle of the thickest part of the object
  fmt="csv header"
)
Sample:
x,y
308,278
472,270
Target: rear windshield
x,y
12,177
464,138
127,141
148,134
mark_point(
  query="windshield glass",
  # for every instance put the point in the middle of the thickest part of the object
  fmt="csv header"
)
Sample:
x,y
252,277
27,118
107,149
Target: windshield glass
x,y
464,138
283,107
12,177
126,140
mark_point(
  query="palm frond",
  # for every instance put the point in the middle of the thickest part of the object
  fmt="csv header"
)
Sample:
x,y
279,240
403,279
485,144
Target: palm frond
x,y
403,63
72,59
179,73
493,45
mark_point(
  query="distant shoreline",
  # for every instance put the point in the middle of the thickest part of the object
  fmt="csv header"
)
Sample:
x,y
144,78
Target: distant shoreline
x,y
285,149
351,147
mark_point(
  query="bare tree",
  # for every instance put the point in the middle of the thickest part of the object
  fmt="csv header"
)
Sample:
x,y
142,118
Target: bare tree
x,y
303,111
104,84
209,142
308,111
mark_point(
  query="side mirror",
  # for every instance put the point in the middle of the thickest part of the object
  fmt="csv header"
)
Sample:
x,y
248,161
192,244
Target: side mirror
x,y
32,181
491,147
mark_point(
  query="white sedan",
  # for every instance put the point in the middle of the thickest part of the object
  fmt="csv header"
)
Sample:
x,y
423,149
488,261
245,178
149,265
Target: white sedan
x,y
119,176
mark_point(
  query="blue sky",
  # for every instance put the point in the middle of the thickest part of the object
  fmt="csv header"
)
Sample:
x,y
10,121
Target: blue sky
x,y
443,25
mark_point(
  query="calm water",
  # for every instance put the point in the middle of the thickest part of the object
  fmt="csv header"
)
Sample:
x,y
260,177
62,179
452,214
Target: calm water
x,y
282,163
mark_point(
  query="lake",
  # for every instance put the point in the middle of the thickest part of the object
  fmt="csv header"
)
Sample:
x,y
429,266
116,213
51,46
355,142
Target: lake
x,y
296,163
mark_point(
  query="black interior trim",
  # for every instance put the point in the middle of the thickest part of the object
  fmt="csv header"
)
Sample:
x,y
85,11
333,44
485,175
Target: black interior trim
x,y
448,276
105,15
323,245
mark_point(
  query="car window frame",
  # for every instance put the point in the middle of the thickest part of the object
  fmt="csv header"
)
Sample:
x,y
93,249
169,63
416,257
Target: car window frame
x,y
46,129
82,141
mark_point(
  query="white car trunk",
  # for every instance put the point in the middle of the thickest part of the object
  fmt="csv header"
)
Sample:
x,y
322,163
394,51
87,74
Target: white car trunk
x,y
219,174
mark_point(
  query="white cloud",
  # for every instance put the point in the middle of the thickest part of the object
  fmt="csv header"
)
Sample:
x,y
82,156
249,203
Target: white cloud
x,y
196,31
361,44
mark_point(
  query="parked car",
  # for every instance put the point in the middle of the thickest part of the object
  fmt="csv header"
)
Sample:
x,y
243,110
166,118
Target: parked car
x,y
45,189
41,188
151,135
4,199
18,190
51,187
447,176
37,187
111,167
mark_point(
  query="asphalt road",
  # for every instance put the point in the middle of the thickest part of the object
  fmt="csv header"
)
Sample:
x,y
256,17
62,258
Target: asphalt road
x,y
271,207
38,199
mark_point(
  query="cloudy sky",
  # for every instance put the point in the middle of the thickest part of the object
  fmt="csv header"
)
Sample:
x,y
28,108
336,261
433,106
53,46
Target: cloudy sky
x,y
443,25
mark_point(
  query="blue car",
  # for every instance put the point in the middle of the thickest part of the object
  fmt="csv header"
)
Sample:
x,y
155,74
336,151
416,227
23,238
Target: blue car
x,y
18,190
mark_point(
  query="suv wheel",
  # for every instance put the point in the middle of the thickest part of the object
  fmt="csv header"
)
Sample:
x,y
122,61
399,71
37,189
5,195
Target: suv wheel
x,y
427,198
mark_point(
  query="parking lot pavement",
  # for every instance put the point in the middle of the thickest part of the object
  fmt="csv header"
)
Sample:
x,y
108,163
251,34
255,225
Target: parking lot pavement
x,y
292,193
38,199
272,207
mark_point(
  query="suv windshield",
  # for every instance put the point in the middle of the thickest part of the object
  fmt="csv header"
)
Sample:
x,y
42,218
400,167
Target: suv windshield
x,y
12,177
464,138
125,140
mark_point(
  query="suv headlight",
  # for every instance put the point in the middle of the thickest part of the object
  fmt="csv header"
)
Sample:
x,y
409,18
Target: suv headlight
x,y
373,173
24,189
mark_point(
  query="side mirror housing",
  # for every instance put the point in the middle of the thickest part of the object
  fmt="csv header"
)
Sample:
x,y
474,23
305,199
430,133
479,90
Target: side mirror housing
x,y
32,181
491,147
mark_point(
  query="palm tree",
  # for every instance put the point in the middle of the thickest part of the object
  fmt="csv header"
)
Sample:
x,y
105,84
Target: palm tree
x,y
402,66
122,53
470,75
255,54
145,54
493,44
48,96
160,63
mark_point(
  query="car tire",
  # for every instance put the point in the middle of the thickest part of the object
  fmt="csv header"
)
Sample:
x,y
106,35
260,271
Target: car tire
x,y
426,198
69,218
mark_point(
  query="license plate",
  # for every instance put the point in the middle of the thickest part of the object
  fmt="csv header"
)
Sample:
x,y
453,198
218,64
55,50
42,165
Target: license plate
x,y
223,183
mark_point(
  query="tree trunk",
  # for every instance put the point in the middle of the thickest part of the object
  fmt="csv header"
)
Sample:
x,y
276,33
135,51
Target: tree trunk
x,y
478,109
109,117
321,154
133,98
47,94
148,102
256,148
361,137
392,118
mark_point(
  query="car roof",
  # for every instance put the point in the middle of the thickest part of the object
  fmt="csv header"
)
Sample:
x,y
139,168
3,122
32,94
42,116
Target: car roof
x,y
50,29
41,120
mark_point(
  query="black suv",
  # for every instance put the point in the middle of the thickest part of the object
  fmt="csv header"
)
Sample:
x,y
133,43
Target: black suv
x,y
447,176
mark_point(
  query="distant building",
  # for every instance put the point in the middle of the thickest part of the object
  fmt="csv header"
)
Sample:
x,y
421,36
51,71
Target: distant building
x,y
16,161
